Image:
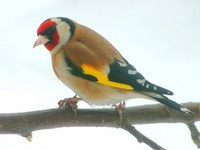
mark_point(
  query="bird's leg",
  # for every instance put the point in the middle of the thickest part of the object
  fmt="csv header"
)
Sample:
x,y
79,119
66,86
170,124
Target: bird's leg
x,y
71,101
120,109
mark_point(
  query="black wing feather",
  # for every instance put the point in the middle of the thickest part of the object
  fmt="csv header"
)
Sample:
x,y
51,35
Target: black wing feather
x,y
126,73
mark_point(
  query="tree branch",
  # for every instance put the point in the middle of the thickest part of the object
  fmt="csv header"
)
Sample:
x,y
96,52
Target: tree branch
x,y
139,136
195,135
25,123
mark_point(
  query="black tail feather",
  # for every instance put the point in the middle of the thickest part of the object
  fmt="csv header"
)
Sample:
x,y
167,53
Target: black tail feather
x,y
170,103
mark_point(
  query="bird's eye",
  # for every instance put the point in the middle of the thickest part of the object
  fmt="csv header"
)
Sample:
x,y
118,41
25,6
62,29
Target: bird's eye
x,y
49,31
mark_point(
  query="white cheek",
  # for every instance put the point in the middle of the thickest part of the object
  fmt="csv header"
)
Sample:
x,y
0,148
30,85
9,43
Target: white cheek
x,y
64,37
64,34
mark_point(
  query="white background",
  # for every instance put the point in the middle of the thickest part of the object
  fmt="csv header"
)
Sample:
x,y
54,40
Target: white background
x,y
161,38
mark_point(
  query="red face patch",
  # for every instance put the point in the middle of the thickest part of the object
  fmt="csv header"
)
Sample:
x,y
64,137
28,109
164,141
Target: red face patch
x,y
48,29
52,44
45,25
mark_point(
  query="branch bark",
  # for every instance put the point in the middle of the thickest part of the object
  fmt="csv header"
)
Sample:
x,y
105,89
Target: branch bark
x,y
195,135
27,122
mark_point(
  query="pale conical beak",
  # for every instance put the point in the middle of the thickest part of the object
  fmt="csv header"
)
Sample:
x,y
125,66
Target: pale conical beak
x,y
41,40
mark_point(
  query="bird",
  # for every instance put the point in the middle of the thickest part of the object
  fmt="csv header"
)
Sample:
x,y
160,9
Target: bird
x,y
93,68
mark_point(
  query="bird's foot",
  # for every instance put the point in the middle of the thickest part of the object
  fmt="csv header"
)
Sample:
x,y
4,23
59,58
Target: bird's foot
x,y
120,109
72,102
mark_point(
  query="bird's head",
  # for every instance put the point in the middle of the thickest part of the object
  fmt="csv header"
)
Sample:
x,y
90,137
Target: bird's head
x,y
55,32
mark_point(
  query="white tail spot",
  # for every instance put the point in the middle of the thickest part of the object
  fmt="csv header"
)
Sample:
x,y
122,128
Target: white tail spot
x,y
141,81
122,64
185,110
132,72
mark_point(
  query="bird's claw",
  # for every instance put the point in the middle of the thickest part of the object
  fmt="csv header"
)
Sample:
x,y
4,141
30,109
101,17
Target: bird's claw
x,y
120,109
72,102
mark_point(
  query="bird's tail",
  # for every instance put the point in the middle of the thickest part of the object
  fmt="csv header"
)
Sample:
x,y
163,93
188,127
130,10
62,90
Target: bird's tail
x,y
168,102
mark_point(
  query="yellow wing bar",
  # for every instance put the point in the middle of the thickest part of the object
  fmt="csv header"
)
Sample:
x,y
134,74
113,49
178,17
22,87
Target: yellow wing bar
x,y
103,77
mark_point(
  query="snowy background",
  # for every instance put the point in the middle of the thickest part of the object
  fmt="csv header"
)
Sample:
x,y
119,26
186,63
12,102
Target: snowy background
x,y
161,38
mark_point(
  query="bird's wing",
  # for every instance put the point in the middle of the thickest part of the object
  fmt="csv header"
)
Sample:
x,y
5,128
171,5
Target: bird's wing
x,y
108,71
127,74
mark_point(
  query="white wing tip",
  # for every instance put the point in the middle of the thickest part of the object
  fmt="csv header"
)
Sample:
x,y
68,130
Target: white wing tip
x,y
185,110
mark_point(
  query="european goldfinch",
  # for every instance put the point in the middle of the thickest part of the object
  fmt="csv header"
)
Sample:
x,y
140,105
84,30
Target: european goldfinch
x,y
93,68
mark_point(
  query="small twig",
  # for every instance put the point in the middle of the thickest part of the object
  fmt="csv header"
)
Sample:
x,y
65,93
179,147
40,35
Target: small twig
x,y
195,135
126,125
142,138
